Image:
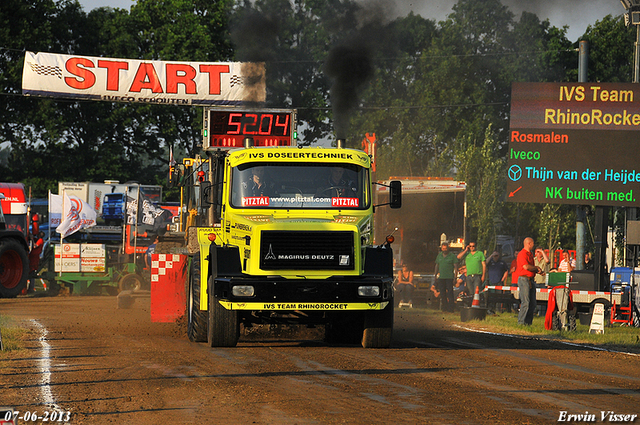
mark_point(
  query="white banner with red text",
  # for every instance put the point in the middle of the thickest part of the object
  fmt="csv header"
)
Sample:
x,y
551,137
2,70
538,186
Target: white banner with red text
x,y
146,81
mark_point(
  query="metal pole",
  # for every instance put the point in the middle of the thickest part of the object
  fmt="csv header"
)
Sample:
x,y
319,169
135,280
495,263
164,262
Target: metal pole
x,y
636,65
580,215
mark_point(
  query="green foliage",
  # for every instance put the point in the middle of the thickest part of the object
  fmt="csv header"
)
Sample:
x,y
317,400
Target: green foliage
x,y
483,169
610,50
437,100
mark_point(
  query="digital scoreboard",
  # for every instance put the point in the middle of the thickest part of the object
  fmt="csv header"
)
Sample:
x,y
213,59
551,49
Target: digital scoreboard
x,y
574,143
227,128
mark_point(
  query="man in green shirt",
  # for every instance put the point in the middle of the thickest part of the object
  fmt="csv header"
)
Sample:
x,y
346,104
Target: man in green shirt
x,y
445,272
476,267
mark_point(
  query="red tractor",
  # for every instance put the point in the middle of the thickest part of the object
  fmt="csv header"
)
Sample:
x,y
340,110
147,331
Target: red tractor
x,y
14,249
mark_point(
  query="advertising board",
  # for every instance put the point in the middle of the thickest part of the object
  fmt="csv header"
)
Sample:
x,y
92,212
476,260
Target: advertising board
x,y
574,143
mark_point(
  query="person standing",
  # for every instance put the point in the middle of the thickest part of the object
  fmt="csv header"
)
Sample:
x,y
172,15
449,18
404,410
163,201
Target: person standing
x,y
445,272
405,286
34,259
588,261
476,267
527,270
541,260
497,270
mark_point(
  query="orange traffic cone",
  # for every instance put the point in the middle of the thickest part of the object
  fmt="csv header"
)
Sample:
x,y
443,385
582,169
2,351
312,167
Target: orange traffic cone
x,y
476,298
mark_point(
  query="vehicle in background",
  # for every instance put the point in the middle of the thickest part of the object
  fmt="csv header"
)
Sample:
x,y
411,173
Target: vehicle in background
x,y
14,247
434,210
95,193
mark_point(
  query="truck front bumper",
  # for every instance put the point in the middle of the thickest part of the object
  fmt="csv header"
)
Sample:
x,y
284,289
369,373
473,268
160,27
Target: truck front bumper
x,y
340,293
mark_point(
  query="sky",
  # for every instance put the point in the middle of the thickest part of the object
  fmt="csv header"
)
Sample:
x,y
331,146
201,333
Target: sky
x,y
577,14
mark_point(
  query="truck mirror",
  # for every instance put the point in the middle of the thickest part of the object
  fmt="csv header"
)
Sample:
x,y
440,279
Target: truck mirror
x,y
395,194
176,175
206,197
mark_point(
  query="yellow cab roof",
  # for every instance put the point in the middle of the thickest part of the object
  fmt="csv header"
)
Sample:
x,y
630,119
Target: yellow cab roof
x,y
299,154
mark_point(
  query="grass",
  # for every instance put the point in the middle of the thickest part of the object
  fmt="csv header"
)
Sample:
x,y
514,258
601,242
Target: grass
x,y
615,337
12,336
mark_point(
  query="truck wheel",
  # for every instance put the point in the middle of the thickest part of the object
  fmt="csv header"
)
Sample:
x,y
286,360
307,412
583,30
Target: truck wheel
x,y
224,325
131,282
14,268
378,328
196,318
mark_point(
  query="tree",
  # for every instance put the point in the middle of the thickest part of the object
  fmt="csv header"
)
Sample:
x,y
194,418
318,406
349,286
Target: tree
x,y
483,169
111,140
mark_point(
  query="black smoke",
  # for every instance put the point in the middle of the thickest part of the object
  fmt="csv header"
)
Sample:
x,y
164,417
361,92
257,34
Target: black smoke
x,y
255,36
350,64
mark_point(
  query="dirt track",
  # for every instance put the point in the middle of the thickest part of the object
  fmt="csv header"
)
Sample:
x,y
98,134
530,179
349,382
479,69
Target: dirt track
x,y
109,365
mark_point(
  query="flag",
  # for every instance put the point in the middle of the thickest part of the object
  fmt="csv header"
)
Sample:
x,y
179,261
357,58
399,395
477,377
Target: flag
x,y
55,210
77,215
148,213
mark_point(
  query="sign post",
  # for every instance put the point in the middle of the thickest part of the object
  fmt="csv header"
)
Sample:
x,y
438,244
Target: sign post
x,y
597,319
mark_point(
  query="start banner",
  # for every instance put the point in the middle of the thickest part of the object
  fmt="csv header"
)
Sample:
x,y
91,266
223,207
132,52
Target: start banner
x,y
133,80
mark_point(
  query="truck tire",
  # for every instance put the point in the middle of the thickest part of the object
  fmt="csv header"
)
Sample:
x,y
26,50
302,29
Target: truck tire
x,y
14,268
131,282
196,318
378,328
224,325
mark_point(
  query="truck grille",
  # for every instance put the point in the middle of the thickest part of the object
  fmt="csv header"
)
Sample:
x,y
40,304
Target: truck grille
x,y
316,250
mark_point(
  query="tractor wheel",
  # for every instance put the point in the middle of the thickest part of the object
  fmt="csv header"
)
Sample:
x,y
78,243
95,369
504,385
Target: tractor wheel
x,y
131,282
378,328
572,322
196,319
224,325
14,268
555,322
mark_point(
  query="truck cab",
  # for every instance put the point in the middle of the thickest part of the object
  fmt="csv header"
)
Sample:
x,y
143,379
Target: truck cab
x,y
291,242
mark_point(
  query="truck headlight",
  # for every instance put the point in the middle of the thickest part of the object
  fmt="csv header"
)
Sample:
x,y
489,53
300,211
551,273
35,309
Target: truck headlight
x,y
243,291
369,291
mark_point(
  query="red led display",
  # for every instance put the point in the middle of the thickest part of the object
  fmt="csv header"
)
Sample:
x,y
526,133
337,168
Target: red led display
x,y
228,128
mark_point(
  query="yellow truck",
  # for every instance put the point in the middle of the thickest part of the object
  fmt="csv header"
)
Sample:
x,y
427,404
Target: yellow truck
x,y
284,235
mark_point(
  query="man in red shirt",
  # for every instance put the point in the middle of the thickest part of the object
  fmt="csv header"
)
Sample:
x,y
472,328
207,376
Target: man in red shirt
x,y
526,271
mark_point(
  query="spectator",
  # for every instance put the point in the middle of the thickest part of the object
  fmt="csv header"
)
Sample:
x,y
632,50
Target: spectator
x,y
445,272
541,260
497,273
588,261
567,265
497,269
526,271
405,286
476,267
34,259
460,287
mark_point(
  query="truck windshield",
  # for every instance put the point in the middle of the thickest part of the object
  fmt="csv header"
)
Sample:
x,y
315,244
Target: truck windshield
x,y
306,186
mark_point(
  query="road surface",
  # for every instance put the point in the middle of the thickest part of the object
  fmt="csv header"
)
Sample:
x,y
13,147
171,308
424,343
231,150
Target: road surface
x,y
108,365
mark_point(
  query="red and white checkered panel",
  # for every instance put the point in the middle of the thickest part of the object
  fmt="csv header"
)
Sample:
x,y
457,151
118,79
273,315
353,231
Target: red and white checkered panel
x,y
168,278
163,262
